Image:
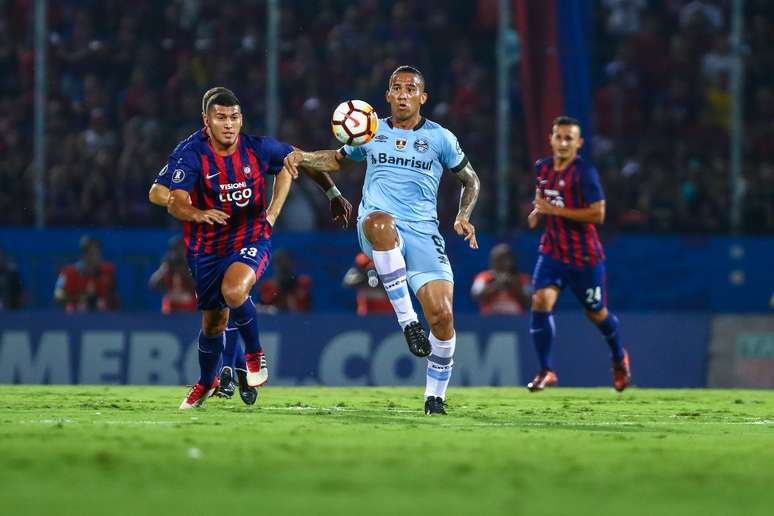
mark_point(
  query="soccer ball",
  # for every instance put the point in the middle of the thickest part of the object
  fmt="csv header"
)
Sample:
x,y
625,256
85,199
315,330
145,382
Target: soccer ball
x,y
354,122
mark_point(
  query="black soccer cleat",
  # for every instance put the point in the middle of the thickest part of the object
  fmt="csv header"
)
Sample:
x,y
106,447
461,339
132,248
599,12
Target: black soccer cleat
x,y
416,339
247,393
434,405
225,383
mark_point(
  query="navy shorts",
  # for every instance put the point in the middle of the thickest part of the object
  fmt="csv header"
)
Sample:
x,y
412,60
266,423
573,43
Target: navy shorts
x,y
589,284
208,270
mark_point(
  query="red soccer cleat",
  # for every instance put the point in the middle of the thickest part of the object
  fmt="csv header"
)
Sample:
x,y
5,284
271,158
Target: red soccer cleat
x,y
545,378
622,375
257,372
197,395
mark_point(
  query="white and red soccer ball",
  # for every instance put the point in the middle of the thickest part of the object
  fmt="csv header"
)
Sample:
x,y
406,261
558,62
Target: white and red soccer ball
x,y
354,122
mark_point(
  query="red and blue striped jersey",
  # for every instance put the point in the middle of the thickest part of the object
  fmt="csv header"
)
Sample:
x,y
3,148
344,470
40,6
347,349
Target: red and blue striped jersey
x,y
234,184
577,186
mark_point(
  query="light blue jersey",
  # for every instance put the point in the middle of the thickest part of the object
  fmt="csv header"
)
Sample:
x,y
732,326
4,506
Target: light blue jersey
x,y
404,168
403,171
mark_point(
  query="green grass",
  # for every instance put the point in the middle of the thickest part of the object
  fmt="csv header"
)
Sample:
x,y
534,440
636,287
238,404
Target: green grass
x,y
370,451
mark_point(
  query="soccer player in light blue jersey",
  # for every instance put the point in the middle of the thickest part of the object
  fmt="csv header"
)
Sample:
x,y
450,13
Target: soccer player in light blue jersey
x,y
397,221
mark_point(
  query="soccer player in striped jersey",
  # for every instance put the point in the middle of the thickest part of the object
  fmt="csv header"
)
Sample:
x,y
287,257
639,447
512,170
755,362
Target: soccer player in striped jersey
x,y
569,197
217,189
233,369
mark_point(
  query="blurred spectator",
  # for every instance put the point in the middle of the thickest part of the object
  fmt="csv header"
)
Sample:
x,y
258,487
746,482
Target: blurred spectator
x,y
10,284
88,284
624,16
285,291
371,297
702,14
502,289
174,278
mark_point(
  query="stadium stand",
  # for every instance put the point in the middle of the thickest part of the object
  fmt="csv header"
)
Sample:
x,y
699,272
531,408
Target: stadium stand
x,y
126,78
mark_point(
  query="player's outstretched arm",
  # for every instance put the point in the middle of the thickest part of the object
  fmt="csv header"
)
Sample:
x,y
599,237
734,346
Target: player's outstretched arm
x,y
179,206
279,195
321,161
471,187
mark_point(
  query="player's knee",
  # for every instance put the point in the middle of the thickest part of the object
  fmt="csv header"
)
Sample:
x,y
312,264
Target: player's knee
x,y
214,322
380,230
598,316
441,318
541,302
215,327
234,295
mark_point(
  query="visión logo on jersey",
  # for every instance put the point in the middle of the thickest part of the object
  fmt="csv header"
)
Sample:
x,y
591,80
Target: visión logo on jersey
x,y
237,193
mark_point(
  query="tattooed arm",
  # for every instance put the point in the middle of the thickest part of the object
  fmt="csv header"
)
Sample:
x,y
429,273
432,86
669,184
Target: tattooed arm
x,y
470,190
321,161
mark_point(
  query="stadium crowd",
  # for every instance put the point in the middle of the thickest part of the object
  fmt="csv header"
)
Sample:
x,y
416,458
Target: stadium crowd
x,y
125,82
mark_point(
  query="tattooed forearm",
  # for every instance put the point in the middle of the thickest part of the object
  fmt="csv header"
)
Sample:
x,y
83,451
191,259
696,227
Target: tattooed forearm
x,y
322,160
470,190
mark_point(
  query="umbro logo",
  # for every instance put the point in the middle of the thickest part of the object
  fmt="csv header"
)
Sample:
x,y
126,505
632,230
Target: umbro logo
x,y
381,138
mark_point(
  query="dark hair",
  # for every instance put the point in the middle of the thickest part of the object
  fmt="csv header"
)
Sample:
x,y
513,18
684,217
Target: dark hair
x,y
408,69
224,98
566,120
209,94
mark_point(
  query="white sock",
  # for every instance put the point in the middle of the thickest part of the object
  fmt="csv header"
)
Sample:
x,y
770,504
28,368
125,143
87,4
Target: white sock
x,y
392,271
439,366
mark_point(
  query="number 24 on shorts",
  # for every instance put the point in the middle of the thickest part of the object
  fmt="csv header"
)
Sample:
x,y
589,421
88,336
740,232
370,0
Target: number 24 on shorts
x,y
593,295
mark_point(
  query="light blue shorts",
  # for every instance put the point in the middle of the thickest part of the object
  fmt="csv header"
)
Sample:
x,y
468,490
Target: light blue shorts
x,y
423,248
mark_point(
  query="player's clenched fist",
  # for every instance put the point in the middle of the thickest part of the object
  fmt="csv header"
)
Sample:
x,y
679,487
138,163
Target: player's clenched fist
x,y
465,228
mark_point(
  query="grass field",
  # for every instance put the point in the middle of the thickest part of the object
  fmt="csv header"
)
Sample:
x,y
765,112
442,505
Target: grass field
x,y
370,451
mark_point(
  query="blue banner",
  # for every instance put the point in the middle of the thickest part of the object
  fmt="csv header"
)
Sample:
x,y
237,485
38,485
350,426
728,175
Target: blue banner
x,y
644,272
147,349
